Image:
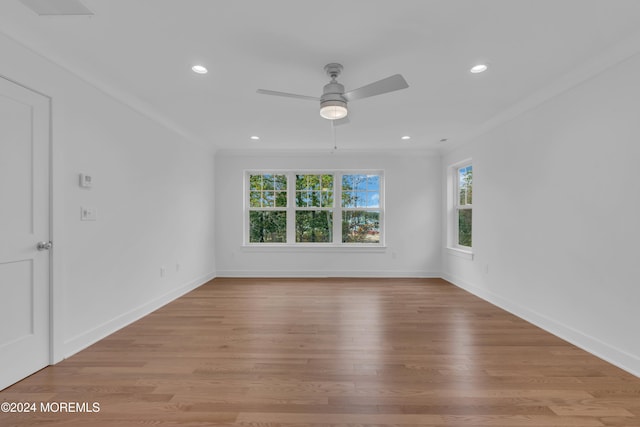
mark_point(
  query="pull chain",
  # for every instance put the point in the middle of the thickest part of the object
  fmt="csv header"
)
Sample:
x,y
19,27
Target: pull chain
x,y
333,132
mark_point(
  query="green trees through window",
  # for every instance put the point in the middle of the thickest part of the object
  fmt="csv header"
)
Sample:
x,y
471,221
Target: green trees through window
x,y
288,207
268,203
314,208
361,208
465,205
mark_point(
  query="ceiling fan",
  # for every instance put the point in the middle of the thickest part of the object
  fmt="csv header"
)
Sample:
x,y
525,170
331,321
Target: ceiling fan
x,y
333,102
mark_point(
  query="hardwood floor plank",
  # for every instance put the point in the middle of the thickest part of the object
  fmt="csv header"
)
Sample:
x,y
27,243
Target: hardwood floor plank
x,y
331,352
415,419
590,410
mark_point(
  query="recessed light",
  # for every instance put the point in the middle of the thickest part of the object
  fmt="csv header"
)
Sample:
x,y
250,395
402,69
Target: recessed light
x,y
480,68
406,138
254,137
200,69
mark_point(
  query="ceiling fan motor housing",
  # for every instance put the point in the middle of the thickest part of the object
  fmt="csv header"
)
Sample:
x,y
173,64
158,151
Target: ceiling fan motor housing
x,y
333,106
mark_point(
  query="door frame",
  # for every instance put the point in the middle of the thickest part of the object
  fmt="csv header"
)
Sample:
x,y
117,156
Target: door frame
x,y
55,332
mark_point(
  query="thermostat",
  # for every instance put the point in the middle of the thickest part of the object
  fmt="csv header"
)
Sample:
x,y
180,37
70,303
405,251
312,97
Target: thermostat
x,y
86,181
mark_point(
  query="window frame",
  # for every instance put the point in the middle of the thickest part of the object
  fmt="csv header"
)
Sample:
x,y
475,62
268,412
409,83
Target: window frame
x,y
366,191
291,208
250,208
455,207
293,199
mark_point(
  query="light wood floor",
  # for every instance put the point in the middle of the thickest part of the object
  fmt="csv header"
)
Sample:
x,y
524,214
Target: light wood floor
x,y
332,352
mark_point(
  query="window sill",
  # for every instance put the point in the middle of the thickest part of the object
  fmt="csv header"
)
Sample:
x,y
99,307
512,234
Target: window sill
x,y
312,248
462,253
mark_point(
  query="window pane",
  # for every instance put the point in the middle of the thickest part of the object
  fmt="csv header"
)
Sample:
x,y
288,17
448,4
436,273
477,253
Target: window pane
x,y
314,226
268,199
360,182
302,199
327,182
465,185
255,182
373,199
464,227
316,199
373,182
280,182
354,199
327,199
348,199
301,182
281,199
313,182
361,199
254,199
360,227
347,182
267,226
267,181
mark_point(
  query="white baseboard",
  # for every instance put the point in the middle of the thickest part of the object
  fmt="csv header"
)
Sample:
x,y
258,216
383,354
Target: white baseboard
x,y
325,273
604,351
84,340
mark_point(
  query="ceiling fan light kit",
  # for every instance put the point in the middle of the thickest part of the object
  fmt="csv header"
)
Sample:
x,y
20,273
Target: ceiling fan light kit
x,y
333,102
333,109
332,105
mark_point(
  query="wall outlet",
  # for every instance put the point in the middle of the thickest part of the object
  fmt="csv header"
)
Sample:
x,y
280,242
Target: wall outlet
x,y
163,271
178,266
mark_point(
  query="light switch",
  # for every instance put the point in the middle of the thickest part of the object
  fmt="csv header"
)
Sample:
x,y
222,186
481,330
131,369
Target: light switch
x,y
87,214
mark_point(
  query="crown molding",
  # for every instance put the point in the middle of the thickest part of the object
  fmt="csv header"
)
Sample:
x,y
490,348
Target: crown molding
x,y
588,70
124,98
263,152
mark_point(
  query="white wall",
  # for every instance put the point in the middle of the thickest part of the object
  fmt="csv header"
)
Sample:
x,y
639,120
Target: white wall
x,y
556,206
153,192
412,214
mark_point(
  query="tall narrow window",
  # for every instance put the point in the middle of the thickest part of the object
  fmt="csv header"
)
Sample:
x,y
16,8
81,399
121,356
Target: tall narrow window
x,y
361,208
314,208
267,208
464,205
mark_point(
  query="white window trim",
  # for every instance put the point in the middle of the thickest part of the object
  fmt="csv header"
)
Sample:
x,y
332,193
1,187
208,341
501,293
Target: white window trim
x,y
452,211
337,210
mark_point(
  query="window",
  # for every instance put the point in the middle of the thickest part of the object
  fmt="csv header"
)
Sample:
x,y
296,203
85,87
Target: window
x,y
464,205
311,208
361,208
314,208
267,208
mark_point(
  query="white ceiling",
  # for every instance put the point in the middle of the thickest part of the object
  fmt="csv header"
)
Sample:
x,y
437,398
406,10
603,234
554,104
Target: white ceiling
x,y
142,51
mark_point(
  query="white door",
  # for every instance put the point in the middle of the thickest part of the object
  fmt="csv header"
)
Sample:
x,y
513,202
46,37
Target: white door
x,y
24,221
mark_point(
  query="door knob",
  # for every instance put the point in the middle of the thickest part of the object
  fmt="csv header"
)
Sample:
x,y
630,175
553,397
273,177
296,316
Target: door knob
x,y
44,246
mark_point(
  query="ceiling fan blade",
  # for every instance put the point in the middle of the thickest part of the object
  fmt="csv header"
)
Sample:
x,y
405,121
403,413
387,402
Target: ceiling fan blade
x,y
390,84
287,95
